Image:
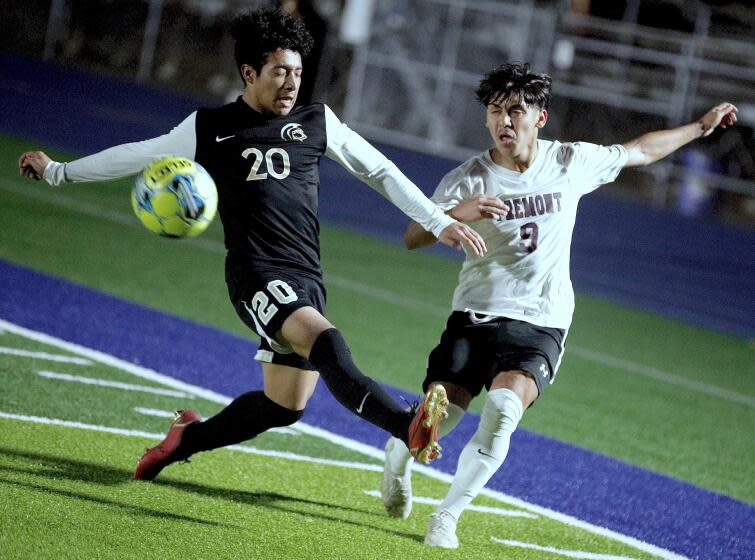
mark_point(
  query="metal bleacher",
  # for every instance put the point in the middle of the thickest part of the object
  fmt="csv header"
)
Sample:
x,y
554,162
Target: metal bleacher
x,y
652,64
412,83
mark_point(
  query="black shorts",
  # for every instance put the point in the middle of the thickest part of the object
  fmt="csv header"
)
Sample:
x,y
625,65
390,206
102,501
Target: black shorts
x,y
264,298
475,348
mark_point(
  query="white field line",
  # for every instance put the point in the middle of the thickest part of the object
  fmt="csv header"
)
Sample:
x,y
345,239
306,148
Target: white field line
x,y
153,412
568,553
43,356
50,196
481,509
289,431
296,457
660,375
114,362
137,433
79,425
113,384
336,439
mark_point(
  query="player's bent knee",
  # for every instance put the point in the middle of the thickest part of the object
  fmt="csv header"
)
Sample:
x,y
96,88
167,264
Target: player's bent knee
x,y
280,416
520,382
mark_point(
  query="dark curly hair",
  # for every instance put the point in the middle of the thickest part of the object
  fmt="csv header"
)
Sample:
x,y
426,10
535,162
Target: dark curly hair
x,y
259,33
517,80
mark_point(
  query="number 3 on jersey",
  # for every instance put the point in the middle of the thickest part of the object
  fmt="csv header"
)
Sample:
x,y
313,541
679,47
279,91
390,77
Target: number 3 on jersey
x,y
528,233
270,163
263,308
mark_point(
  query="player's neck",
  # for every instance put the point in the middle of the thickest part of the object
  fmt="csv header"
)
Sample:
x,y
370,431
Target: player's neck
x,y
517,158
251,100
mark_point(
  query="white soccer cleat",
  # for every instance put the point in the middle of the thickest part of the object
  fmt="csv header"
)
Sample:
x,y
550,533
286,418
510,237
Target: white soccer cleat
x,y
441,531
396,489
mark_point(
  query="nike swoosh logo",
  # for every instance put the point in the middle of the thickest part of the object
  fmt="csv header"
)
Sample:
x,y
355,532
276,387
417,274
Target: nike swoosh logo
x,y
481,452
361,405
219,139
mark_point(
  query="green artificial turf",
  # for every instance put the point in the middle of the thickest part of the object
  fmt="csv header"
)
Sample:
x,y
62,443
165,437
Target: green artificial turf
x,y
391,305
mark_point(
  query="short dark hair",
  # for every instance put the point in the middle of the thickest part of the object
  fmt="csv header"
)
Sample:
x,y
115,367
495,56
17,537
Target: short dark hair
x,y
517,80
262,32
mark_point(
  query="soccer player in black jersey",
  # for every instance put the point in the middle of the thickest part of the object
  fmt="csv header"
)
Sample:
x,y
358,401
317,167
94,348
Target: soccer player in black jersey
x,y
263,154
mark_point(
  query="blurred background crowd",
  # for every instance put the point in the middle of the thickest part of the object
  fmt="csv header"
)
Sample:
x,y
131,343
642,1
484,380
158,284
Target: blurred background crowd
x,y
404,71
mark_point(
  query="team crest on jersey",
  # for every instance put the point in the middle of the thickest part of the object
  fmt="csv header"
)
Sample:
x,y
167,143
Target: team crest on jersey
x,y
293,132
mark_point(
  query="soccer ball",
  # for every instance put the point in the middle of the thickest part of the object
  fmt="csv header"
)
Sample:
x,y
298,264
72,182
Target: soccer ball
x,y
174,197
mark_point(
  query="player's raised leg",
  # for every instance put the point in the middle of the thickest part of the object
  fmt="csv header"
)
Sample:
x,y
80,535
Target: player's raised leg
x,y
282,403
312,335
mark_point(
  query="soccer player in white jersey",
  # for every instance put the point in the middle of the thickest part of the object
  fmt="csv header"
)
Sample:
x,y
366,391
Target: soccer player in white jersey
x,y
269,218
513,305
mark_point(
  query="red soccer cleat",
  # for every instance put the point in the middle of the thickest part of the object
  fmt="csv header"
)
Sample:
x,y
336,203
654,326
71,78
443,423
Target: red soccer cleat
x,y
160,456
423,431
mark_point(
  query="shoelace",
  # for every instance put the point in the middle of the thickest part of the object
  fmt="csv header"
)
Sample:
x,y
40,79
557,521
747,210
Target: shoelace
x,y
444,525
413,407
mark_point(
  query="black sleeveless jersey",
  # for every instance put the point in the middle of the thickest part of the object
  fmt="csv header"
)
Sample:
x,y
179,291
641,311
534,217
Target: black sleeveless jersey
x,y
266,169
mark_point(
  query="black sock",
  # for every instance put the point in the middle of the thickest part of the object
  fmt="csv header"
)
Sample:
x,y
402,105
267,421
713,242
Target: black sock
x,y
247,416
332,358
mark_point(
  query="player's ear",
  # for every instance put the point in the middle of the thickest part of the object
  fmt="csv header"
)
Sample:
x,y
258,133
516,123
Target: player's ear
x,y
542,119
248,73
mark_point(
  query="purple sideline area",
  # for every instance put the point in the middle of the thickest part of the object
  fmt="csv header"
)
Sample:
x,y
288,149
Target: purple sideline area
x,y
609,493
691,270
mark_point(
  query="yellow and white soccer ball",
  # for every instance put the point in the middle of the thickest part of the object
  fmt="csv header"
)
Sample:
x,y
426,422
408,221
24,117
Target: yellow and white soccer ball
x,y
174,197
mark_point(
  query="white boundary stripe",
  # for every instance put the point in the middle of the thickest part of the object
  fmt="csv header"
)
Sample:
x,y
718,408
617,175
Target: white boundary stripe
x,y
306,459
153,412
568,553
289,431
380,294
481,509
660,375
113,384
80,425
339,440
561,517
243,448
43,356
117,363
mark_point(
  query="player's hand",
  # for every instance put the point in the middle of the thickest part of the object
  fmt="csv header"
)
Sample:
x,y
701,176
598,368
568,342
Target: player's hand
x,y
479,208
723,115
458,234
32,164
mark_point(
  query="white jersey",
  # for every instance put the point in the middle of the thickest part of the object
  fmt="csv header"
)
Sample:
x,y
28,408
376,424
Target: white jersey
x,y
525,273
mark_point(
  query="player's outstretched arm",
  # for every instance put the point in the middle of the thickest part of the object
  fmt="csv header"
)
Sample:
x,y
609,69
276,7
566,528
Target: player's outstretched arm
x,y
472,210
366,163
119,161
653,146
455,236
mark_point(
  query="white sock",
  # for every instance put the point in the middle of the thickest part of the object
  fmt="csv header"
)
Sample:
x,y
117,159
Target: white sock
x,y
400,458
486,451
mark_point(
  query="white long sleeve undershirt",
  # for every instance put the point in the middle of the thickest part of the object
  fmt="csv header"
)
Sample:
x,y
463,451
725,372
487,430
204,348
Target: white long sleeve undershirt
x,y
344,146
